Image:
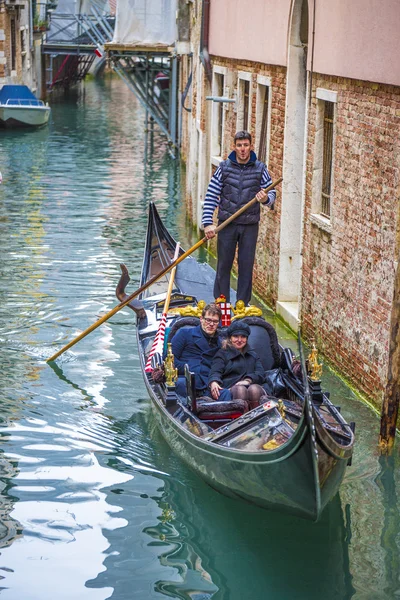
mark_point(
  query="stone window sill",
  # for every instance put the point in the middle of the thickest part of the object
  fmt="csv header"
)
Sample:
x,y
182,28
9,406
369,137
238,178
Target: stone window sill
x,y
321,222
215,160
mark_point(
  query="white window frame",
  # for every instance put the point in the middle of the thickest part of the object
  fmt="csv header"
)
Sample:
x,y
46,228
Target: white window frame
x,y
217,149
264,86
199,90
322,96
242,77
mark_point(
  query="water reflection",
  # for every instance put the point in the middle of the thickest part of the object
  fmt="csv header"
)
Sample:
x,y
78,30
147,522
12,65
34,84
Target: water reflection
x,y
211,546
247,551
10,528
391,525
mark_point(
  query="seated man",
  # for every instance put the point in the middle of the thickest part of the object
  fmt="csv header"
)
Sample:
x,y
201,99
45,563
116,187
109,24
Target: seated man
x,y
196,348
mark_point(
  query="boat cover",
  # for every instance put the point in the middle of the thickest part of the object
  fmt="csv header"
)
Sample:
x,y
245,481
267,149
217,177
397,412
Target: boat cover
x,y
17,95
148,22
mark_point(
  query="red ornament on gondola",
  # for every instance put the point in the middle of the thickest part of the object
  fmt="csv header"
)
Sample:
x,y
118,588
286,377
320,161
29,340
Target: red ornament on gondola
x,y
225,310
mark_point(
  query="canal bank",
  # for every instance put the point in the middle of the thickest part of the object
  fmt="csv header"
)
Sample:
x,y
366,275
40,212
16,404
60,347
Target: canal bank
x,y
95,505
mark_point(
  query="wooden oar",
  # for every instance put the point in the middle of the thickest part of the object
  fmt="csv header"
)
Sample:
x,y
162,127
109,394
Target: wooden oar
x,y
155,278
159,337
171,281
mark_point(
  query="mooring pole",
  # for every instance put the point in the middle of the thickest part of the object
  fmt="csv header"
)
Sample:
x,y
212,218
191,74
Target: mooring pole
x,y
391,399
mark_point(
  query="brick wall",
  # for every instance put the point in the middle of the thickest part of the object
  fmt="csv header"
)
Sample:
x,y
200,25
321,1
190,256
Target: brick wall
x,y
348,272
5,46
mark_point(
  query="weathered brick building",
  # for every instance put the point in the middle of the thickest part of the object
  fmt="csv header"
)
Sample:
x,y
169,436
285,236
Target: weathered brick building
x,y
318,86
20,48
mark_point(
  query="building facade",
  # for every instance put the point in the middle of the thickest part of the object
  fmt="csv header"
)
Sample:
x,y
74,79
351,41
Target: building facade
x,y
21,31
318,86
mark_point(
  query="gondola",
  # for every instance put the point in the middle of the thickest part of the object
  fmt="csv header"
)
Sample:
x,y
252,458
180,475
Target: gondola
x,y
290,453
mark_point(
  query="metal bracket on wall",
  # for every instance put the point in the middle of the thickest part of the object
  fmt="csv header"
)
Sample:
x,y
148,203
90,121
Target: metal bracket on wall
x,y
220,99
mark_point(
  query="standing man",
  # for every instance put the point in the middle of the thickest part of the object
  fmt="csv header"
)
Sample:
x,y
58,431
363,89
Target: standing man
x,y
236,181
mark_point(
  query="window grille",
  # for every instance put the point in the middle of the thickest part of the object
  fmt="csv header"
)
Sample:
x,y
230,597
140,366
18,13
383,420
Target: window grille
x,y
327,159
262,149
220,108
246,103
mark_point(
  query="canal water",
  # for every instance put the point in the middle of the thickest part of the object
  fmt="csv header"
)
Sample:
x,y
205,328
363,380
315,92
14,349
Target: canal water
x,y
94,504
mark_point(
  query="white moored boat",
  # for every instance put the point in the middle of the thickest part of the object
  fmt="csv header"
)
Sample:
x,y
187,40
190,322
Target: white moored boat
x,y
19,107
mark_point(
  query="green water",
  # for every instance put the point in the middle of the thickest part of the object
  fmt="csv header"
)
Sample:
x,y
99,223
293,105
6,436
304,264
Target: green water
x,y
94,504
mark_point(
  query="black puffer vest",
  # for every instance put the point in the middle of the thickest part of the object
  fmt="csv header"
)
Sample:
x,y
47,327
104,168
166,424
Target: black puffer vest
x,y
240,183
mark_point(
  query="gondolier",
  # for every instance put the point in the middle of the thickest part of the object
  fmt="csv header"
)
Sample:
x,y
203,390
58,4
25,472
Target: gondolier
x,y
236,181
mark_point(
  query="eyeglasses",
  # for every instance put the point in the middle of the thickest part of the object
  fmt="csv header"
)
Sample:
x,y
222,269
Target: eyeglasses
x,y
210,321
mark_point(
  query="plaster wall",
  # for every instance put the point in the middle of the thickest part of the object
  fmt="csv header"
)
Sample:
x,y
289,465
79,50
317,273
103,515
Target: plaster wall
x,y
256,31
358,39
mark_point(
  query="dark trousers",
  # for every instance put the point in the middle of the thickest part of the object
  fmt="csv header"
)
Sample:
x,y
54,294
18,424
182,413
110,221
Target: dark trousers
x,y
245,238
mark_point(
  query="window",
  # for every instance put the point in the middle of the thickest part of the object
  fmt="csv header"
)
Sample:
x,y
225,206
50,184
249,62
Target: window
x,y
218,114
246,96
217,137
327,159
23,41
262,125
13,45
324,155
243,111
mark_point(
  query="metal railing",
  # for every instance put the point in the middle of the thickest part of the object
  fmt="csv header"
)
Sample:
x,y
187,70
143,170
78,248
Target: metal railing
x,y
22,102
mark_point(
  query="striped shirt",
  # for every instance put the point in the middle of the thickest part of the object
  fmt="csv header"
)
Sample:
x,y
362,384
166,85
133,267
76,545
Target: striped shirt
x,y
211,201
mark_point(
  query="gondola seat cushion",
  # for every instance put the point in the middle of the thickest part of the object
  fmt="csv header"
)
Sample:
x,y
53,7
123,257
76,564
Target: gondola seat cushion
x,y
207,409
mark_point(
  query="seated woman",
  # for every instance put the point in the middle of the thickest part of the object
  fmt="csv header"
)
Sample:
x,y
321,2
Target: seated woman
x,y
236,370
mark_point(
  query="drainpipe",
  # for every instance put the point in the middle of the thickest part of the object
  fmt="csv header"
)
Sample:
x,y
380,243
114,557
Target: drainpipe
x,y
312,52
204,36
31,30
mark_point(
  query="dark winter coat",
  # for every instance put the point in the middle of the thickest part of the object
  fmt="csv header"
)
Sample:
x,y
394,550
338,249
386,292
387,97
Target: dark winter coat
x,y
241,182
189,346
230,366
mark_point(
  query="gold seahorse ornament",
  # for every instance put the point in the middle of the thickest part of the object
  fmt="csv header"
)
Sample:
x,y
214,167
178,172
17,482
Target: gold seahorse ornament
x,y
241,310
189,310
